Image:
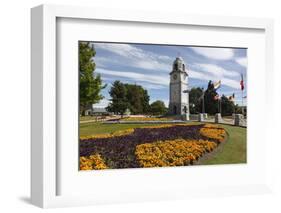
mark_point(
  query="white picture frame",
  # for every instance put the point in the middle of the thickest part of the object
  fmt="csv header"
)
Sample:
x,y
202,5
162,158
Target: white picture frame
x,y
44,155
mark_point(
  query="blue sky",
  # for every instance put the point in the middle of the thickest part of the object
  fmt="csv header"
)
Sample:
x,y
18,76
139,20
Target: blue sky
x,y
149,66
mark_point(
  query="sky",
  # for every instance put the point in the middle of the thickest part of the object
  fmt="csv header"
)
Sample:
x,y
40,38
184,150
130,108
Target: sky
x,y
149,66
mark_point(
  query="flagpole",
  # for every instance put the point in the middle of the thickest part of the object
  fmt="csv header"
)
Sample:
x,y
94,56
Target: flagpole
x,y
242,103
242,88
220,105
203,107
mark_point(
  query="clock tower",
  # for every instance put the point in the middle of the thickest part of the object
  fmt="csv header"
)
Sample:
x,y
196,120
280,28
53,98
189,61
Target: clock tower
x,y
179,97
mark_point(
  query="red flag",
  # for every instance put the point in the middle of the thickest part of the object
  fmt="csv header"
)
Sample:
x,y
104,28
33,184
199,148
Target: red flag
x,y
242,82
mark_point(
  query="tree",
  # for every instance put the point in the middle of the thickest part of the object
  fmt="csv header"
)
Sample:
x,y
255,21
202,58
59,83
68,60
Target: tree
x,y
119,102
134,94
227,106
145,102
90,84
138,99
158,108
195,100
131,96
211,104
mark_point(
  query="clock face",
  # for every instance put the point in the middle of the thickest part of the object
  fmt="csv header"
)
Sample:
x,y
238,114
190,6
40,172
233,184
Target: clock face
x,y
175,76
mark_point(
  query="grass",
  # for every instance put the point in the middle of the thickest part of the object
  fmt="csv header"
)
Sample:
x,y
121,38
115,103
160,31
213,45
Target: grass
x,y
100,128
87,118
234,151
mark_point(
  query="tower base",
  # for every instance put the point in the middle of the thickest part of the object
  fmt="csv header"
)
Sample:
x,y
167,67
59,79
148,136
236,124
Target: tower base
x,y
185,117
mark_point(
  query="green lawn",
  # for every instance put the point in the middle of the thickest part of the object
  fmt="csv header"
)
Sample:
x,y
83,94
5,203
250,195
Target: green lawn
x,y
234,151
87,118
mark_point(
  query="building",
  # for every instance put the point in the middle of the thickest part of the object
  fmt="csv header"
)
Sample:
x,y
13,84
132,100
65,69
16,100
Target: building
x,y
99,111
179,94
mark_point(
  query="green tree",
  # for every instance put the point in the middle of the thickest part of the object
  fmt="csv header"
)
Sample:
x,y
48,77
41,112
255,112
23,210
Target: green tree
x,y
211,105
138,99
145,102
119,102
131,96
90,84
134,98
227,106
195,100
158,108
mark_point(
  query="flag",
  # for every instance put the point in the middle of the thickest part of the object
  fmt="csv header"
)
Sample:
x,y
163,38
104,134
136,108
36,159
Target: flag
x,y
217,97
242,82
217,85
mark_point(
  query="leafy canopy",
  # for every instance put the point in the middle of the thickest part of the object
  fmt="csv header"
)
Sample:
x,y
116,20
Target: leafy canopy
x,y
90,84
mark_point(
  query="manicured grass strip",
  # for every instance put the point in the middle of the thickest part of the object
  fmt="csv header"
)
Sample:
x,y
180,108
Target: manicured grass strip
x,y
100,128
87,129
234,150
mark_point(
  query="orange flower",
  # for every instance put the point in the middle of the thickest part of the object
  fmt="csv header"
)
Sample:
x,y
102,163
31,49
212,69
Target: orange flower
x,y
177,152
92,162
214,132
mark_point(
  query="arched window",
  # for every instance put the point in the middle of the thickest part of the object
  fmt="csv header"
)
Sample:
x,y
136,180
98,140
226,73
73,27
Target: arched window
x,y
176,66
183,67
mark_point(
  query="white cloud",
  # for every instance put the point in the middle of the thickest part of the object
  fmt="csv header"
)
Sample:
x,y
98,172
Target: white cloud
x,y
102,104
137,77
242,61
152,86
197,75
214,53
136,57
217,71
235,84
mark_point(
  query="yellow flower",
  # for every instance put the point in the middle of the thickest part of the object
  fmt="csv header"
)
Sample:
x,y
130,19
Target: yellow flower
x,y
92,162
214,132
177,152
109,135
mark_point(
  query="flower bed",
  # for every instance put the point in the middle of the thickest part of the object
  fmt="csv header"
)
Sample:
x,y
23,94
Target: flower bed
x,y
213,132
109,135
92,162
162,145
178,152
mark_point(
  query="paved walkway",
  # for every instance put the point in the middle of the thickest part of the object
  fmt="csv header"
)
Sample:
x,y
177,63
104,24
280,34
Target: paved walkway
x,y
100,119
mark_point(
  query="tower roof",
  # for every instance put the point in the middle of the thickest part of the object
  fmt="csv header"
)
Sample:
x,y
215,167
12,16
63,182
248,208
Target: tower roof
x,y
179,58
179,65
